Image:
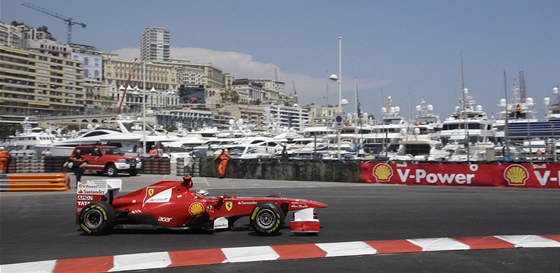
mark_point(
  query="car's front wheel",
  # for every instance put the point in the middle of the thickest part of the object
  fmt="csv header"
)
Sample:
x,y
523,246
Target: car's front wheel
x,y
266,219
112,170
97,218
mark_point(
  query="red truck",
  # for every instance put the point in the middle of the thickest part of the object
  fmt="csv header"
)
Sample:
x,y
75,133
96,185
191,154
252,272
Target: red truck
x,y
108,159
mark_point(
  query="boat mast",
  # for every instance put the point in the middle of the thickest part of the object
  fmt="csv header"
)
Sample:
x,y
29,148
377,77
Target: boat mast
x,y
464,115
506,131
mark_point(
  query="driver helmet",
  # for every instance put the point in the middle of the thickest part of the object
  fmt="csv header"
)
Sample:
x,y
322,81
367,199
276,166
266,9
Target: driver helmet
x,y
202,192
187,180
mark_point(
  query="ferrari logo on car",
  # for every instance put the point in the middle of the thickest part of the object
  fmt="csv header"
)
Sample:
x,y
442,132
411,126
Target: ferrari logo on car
x,y
150,192
229,205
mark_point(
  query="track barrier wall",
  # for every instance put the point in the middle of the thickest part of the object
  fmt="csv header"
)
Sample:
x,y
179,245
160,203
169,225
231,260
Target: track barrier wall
x,y
521,175
277,169
34,182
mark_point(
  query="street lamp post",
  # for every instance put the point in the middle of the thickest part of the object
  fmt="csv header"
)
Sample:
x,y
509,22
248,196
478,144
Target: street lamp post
x,y
338,79
340,75
143,108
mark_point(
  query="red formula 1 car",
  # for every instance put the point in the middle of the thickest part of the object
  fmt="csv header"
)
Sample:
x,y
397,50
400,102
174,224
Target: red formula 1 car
x,y
174,205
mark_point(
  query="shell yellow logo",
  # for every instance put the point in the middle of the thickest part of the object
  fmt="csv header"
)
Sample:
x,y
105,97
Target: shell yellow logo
x,y
516,175
196,209
382,172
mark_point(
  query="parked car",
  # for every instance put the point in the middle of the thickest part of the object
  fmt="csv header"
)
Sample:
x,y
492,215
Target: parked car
x,y
108,159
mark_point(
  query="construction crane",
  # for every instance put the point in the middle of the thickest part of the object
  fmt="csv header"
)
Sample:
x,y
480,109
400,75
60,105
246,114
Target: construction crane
x,y
69,21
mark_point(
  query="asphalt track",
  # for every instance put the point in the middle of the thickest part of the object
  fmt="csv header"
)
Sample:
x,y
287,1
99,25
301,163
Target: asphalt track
x,y
41,226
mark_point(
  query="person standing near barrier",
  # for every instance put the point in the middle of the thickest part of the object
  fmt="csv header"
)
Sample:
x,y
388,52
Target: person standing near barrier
x,y
222,166
153,152
139,151
78,163
46,152
4,159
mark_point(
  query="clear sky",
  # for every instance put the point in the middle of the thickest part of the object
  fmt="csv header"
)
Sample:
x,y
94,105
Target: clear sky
x,y
407,49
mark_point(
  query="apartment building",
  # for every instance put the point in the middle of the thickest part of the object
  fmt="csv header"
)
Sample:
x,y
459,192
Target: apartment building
x,y
155,44
11,35
157,81
40,82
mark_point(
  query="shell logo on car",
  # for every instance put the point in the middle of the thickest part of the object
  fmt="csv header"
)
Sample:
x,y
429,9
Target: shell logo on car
x,y
382,172
196,209
516,175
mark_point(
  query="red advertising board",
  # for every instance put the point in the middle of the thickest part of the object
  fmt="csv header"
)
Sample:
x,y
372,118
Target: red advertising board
x,y
524,175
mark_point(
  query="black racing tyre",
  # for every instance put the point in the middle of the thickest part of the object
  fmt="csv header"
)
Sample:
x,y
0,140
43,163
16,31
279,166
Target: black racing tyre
x,y
97,218
133,172
112,170
266,219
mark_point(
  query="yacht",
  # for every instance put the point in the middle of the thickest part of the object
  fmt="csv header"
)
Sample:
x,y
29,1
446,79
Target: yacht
x,y
468,127
310,137
519,110
116,135
422,142
388,133
31,141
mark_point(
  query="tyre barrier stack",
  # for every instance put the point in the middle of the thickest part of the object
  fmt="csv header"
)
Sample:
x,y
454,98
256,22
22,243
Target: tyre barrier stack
x,y
36,164
29,164
54,164
34,182
188,166
157,165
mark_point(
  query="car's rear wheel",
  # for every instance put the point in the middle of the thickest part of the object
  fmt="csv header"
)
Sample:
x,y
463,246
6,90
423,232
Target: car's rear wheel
x,y
97,218
133,172
112,170
266,219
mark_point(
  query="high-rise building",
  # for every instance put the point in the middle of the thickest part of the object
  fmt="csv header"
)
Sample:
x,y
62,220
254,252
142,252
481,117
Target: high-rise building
x,y
155,44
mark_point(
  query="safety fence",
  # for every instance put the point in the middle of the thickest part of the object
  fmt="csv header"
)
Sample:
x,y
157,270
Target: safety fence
x,y
34,182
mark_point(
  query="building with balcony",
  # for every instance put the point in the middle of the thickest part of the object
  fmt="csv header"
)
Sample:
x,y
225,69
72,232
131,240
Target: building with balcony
x,y
40,82
156,81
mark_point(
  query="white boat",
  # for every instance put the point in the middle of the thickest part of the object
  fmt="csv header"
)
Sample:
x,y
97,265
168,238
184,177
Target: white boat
x,y
519,110
312,134
119,134
426,124
31,141
467,133
422,142
388,133
99,135
250,151
420,150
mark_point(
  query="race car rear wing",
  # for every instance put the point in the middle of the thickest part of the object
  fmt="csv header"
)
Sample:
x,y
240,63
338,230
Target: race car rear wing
x,y
96,190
